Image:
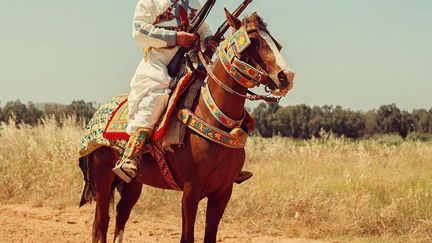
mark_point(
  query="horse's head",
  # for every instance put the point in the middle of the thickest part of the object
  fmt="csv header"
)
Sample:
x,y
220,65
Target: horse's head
x,y
263,53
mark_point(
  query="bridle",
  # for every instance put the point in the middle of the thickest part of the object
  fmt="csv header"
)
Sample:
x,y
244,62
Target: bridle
x,y
248,76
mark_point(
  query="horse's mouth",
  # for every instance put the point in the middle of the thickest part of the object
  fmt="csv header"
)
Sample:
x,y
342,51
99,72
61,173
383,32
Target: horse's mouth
x,y
280,92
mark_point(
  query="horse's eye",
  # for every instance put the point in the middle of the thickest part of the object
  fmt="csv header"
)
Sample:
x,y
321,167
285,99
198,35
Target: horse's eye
x,y
254,42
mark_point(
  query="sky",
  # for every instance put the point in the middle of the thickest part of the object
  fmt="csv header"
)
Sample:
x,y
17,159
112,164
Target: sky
x,y
357,54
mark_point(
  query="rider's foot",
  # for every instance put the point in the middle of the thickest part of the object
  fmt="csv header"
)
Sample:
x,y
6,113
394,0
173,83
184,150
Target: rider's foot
x,y
126,169
243,176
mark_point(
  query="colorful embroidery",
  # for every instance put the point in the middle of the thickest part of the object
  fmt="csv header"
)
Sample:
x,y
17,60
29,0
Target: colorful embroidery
x,y
180,12
158,154
117,123
243,73
216,112
205,130
93,138
248,83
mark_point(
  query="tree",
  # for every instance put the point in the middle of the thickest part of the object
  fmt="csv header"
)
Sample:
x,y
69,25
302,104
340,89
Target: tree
x,y
83,110
371,123
389,119
33,114
1,115
407,124
321,119
263,116
422,119
348,123
299,117
14,110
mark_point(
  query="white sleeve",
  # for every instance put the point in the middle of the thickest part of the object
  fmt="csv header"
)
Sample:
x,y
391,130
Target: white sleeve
x,y
204,31
144,32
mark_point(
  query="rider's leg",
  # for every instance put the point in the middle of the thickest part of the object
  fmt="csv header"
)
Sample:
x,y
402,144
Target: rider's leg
x,y
142,119
127,168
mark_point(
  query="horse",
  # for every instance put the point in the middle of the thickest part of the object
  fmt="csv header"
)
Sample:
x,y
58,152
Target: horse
x,y
202,168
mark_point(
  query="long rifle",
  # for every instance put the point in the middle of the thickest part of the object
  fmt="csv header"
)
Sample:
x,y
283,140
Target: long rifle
x,y
177,61
218,36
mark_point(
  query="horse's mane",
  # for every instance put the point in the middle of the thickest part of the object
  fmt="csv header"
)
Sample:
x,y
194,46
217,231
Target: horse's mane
x,y
254,21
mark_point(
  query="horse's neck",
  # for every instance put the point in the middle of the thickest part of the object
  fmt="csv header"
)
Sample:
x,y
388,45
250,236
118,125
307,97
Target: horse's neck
x,y
231,105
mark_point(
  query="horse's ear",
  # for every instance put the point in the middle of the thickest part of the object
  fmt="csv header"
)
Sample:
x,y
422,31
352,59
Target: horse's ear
x,y
233,21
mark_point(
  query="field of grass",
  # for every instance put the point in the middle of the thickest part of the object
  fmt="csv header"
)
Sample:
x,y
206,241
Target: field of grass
x,y
328,188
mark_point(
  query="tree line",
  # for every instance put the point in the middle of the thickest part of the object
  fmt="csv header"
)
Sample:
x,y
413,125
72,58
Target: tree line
x,y
20,113
303,122
299,121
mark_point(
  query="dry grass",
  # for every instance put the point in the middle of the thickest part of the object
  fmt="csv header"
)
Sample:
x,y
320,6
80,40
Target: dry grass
x,y
324,188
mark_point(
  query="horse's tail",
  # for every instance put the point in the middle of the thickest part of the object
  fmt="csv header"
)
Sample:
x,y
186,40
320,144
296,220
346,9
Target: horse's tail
x,y
89,189
88,193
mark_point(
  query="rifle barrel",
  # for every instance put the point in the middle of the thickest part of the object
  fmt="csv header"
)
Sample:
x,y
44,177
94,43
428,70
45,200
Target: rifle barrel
x,y
224,27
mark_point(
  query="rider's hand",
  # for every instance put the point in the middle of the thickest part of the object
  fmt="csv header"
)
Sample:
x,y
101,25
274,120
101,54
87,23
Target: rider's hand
x,y
185,39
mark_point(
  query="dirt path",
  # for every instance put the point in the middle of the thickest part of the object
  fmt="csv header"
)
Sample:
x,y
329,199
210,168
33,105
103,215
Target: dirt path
x,y
21,223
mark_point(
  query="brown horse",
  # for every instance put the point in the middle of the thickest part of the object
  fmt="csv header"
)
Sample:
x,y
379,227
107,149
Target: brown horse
x,y
203,169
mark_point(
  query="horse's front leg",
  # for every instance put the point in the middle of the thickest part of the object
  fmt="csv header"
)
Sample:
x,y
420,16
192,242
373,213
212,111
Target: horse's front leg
x,y
216,205
190,201
129,196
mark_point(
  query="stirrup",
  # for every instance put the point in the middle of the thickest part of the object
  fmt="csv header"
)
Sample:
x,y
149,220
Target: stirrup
x,y
243,176
122,174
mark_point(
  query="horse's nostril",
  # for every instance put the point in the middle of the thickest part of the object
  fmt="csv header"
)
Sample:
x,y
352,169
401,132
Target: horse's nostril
x,y
282,76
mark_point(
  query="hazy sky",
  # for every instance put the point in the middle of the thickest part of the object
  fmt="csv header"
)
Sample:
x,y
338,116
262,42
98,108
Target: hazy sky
x,y
358,54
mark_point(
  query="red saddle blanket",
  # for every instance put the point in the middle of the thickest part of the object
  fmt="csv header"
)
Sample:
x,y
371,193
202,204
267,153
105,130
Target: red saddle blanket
x,y
116,127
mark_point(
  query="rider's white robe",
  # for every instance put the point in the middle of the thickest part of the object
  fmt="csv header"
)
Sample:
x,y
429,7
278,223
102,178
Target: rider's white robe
x,y
149,86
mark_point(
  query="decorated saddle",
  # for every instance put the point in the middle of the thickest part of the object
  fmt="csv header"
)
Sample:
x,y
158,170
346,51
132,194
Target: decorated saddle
x,y
108,125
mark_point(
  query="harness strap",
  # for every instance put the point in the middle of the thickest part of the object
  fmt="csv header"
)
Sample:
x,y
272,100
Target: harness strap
x,y
236,139
210,72
234,73
216,112
249,71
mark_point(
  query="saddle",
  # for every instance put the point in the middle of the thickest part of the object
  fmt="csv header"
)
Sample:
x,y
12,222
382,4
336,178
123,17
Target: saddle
x,y
168,131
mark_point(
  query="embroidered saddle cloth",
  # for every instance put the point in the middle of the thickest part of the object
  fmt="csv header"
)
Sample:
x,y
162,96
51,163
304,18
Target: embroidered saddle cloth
x,y
107,128
116,127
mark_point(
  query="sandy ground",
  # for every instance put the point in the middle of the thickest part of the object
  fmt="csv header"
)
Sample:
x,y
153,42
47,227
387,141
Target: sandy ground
x,y
22,223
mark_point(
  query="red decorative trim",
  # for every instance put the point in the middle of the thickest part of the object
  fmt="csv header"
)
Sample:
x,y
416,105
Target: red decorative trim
x,y
115,135
172,103
159,156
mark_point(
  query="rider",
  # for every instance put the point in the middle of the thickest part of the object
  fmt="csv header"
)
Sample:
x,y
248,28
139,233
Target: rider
x,y
161,26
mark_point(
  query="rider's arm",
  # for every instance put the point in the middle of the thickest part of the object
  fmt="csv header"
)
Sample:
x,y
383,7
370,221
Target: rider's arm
x,y
144,32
